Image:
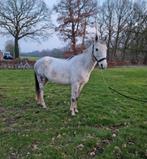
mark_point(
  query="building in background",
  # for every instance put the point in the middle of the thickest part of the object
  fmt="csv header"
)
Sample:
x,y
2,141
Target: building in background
x,y
1,55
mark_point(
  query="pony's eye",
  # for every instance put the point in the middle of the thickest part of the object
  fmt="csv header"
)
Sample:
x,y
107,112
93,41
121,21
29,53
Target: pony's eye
x,y
96,49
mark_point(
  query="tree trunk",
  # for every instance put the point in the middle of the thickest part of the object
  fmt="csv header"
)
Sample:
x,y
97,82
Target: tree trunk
x,y
16,48
145,59
73,45
116,44
84,33
109,56
123,55
73,40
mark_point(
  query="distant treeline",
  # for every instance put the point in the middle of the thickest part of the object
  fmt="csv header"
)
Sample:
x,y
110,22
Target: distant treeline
x,y
59,53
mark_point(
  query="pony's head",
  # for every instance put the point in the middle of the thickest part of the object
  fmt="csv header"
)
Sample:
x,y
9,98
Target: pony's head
x,y
100,52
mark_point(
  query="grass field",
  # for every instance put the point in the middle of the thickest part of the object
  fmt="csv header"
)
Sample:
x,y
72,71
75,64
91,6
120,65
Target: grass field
x,y
108,126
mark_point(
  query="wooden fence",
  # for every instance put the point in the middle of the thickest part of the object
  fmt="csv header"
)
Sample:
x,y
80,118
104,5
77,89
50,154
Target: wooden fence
x,y
16,64
28,64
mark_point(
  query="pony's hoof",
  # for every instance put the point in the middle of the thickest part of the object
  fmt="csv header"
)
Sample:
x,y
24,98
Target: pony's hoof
x,y
73,113
44,107
76,111
38,103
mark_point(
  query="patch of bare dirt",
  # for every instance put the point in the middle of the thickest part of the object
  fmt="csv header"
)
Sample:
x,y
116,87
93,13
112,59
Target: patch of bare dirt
x,y
11,120
113,128
2,109
100,146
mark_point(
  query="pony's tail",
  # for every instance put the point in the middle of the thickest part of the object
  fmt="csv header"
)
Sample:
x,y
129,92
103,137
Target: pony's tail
x,y
37,88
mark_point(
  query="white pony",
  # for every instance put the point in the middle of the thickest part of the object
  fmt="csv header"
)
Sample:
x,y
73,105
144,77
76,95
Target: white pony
x,y
74,71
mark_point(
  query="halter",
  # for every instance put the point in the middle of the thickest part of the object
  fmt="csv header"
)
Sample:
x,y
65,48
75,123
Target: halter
x,y
100,60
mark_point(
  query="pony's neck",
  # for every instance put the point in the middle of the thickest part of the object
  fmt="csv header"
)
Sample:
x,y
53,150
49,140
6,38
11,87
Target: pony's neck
x,y
90,61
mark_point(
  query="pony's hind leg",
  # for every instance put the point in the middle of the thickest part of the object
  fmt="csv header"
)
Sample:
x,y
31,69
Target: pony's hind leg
x,y
42,98
40,93
37,89
43,81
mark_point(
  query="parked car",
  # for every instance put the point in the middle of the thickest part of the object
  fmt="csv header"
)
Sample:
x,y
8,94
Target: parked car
x,y
7,56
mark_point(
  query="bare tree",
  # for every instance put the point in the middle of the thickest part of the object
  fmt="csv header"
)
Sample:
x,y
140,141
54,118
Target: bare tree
x,y
125,23
73,18
139,41
106,22
24,18
123,11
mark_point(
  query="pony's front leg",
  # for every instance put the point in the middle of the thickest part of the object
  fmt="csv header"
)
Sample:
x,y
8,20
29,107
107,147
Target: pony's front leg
x,y
74,99
73,107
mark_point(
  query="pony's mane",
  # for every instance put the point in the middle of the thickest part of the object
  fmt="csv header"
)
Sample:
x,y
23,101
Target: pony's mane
x,y
70,57
87,49
84,51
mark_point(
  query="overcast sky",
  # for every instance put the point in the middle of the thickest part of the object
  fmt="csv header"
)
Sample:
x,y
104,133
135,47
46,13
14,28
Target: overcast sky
x,y
53,41
29,45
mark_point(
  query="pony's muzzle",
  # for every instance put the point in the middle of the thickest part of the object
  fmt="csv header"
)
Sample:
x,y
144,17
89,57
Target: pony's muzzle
x,y
103,65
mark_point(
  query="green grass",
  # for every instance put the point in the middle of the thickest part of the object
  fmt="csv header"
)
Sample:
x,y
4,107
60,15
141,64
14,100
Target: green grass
x,y
108,126
31,58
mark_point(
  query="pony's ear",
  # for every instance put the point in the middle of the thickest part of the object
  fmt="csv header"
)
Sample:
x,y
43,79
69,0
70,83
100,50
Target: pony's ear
x,y
96,38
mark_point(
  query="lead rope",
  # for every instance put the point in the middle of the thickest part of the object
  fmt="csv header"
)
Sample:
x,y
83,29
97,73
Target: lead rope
x,y
111,90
